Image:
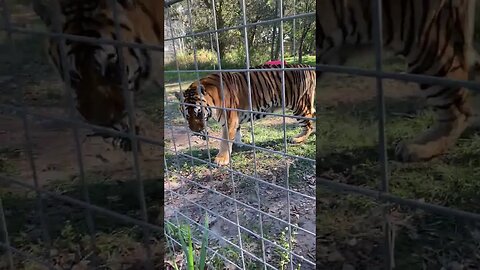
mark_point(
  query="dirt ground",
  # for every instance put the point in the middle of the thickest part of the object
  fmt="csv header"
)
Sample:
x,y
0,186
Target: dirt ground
x,y
53,142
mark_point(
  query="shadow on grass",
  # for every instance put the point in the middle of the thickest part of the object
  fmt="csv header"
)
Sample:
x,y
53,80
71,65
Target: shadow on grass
x,y
121,197
365,110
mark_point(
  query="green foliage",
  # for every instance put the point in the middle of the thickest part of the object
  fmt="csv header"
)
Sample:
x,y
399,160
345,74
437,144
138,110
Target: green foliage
x,y
263,40
284,255
184,235
235,57
205,59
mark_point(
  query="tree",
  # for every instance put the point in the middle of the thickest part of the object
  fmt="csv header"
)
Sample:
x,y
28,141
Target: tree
x,y
264,40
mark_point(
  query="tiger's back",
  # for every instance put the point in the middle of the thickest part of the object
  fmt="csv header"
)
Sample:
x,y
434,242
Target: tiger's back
x,y
408,27
266,90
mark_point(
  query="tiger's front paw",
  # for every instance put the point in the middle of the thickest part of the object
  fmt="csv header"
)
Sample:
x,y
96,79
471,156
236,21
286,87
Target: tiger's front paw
x,y
222,159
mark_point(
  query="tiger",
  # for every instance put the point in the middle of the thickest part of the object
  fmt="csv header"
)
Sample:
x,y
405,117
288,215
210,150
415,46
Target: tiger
x,y
94,70
266,97
435,37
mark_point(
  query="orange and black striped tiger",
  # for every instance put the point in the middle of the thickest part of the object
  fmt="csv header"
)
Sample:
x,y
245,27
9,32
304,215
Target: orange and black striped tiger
x,y
266,96
435,38
94,70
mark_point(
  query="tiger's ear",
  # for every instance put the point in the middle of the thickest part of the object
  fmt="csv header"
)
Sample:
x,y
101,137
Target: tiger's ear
x,y
179,96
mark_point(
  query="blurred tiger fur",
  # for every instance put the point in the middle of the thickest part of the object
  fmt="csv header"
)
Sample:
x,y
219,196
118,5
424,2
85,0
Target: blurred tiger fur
x,y
94,70
435,38
266,93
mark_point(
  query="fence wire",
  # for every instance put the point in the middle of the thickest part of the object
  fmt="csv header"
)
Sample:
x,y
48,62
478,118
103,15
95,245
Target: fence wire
x,y
383,194
243,232
16,254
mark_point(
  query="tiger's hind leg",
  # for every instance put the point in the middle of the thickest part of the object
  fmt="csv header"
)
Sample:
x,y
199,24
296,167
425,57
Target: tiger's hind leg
x,y
307,129
453,113
307,110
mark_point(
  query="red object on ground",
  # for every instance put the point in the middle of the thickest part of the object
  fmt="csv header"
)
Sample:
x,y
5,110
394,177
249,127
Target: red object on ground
x,y
275,62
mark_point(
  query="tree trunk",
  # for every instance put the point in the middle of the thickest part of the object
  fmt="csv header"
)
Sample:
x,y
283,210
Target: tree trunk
x,y
220,24
251,37
272,48
301,41
277,48
274,35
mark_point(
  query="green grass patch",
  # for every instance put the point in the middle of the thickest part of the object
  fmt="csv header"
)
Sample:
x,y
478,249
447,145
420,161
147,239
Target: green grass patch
x,y
72,248
306,59
349,154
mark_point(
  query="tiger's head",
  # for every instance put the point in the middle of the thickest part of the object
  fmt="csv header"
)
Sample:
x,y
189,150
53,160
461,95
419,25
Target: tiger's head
x,y
94,70
195,115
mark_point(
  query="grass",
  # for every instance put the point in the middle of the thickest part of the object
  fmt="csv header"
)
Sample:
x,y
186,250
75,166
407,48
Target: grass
x,y
350,225
307,60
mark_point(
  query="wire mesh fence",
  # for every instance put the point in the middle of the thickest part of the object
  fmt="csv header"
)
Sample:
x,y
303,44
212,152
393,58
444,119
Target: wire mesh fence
x,y
69,200
260,204
411,236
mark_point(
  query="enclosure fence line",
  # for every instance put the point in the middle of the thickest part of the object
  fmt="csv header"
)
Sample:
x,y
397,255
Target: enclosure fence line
x,y
172,193
21,110
383,194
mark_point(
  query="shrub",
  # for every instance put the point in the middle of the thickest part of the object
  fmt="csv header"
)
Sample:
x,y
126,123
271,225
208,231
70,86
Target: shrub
x,y
206,60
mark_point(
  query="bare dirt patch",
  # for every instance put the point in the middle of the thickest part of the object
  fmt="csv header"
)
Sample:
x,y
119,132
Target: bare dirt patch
x,y
54,150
